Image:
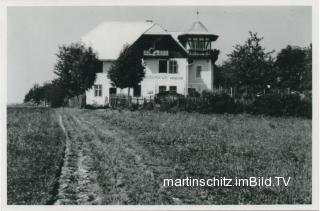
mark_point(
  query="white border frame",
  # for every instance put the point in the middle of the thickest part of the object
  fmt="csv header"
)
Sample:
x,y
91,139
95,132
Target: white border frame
x,y
315,81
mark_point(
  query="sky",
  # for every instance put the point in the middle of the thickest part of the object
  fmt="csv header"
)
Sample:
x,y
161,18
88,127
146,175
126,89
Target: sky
x,y
34,33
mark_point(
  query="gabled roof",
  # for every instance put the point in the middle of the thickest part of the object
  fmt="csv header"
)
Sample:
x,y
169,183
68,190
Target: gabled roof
x,y
156,30
108,38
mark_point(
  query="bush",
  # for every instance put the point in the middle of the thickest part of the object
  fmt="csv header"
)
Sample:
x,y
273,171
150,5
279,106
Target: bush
x,y
95,106
207,102
277,105
271,104
219,103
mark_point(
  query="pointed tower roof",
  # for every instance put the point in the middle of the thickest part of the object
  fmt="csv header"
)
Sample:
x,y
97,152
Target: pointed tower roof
x,y
198,28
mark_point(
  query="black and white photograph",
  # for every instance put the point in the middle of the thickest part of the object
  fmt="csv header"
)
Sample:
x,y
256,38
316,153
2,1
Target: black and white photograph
x,y
165,104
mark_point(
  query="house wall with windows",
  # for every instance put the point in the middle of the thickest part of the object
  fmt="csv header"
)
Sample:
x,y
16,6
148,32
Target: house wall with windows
x,y
175,61
156,79
200,75
93,95
173,79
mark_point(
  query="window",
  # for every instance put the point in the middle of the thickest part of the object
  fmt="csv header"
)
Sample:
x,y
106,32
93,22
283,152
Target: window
x,y
112,91
192,91
173,66
201,43
162,66
97,90
195,43
173,89
198,71
137,91
162,89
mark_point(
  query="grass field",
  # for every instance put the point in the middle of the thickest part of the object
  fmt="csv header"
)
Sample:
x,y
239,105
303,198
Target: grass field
x,y
122,157
35,148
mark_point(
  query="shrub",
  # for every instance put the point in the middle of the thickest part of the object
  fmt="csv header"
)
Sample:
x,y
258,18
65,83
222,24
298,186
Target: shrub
x,y
207,102
277,105
219,103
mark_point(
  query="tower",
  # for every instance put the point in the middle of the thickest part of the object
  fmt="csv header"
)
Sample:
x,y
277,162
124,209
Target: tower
x,y
201,56
197,40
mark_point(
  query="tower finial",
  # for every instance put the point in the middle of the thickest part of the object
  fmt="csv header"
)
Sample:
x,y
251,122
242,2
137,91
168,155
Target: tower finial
x,y
197,14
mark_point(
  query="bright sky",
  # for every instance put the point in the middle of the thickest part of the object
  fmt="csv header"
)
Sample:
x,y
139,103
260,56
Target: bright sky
x,y
34,33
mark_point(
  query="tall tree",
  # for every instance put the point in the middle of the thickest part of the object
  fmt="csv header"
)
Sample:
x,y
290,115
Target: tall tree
x,y
76,68
294,68
249,66
128,70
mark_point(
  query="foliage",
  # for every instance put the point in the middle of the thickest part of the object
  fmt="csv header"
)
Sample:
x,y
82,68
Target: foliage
x,y
272,104
127,71
294,68
281,105
249,66
35,94
49,93
55,94
207,102
76,68
35,154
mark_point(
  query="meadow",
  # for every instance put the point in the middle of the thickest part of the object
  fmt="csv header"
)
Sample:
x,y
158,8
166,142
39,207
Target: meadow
x,y
206,146
122,157
35,147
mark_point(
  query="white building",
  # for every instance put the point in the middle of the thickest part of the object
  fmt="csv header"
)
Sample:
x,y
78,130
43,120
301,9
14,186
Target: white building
x,y
175,61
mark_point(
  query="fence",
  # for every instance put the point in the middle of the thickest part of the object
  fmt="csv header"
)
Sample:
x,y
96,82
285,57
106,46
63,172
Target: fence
x,y
77,101
122,101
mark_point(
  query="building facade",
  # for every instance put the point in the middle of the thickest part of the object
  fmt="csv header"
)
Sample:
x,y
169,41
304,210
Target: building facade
x,y
181,62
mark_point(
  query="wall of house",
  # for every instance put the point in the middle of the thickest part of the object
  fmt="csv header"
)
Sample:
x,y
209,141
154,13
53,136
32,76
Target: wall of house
x,y
153,79
101,79
204,82
150,84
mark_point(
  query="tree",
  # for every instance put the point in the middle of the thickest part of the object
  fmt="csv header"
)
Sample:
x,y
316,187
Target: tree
x,y
249,66
34,95
307,74
294,68
128,70
54,94
76,68
49,93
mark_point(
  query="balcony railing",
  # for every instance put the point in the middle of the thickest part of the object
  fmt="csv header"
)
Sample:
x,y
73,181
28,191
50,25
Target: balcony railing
x,y
199,52
155,53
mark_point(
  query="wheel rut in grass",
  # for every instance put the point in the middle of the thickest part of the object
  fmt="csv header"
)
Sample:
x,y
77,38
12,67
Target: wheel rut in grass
x,y
77,183
105,165
135,170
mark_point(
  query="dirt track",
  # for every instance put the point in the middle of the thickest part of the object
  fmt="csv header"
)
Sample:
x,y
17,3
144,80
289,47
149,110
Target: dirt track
x,y
105,165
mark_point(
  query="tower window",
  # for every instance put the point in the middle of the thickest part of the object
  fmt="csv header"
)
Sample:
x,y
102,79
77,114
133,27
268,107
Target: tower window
x,y
198,71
